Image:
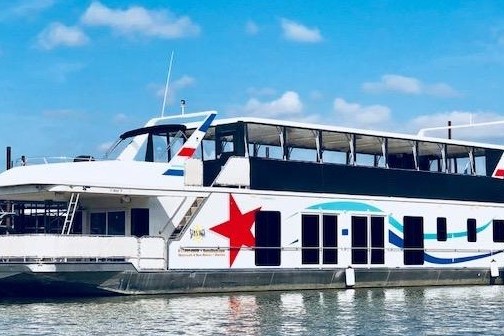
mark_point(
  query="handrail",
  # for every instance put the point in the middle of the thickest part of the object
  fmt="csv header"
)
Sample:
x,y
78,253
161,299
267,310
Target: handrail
x,y
146,252
288,248
36,160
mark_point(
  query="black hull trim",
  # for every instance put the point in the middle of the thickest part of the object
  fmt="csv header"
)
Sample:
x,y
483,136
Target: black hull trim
x,y
79,282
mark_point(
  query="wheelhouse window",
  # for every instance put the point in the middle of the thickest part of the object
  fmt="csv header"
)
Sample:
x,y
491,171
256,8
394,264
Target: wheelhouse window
x,y
158,143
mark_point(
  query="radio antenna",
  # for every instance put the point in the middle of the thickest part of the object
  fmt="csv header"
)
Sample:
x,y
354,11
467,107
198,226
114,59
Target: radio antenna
x,y
167,85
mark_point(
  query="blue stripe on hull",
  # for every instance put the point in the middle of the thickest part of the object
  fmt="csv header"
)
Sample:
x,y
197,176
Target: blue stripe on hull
x,y
446,261
174,172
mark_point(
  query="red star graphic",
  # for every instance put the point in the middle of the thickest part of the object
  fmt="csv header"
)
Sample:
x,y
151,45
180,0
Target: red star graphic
x,y
237,229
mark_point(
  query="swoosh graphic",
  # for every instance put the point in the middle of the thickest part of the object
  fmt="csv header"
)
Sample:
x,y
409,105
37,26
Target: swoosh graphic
x,y
364,207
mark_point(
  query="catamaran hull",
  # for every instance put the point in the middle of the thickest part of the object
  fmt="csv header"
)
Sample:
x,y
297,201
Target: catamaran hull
x,y
21,280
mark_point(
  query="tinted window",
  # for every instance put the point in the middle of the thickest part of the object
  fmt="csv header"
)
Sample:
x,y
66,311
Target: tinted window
x,y
471,230
330,239
116,224
267,236
377,240
442,233
139,222
310,239
359,240
98,223
498,230
413,241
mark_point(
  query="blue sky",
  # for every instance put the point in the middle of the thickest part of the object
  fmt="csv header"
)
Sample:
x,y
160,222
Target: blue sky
x,y
75,74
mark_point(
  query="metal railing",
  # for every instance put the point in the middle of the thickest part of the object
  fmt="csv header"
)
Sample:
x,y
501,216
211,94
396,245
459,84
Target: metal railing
x,y
387,249
143,253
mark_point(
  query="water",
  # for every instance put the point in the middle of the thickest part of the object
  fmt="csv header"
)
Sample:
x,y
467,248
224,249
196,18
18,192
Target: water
x,y
397,311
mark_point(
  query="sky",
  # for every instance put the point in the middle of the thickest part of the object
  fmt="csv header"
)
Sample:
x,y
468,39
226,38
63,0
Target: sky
x,y
76,74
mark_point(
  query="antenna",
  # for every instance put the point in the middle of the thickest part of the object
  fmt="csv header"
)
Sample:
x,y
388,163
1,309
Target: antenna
x,y
167,84
182,105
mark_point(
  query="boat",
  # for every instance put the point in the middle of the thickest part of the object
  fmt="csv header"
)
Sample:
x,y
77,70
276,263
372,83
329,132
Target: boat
x,y
195,204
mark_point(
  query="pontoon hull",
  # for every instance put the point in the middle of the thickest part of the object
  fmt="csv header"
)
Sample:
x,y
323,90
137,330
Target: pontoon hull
x,y
18,280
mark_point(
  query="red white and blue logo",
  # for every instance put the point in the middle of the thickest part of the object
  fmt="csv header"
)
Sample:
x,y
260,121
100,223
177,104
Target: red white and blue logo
x,y
187,150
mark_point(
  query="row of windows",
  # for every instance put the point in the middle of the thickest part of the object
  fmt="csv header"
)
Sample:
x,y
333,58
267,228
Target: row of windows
x,y
319,238
497,224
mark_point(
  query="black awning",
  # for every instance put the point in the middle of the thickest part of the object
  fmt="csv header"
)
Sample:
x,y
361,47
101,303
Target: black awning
x,y
155,130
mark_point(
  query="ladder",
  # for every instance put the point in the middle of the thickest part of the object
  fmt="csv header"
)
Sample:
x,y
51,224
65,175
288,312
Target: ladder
x,y
5,213
72,207
184,223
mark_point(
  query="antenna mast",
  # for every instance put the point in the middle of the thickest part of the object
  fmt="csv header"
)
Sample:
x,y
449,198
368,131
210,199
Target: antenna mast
x,y
167,84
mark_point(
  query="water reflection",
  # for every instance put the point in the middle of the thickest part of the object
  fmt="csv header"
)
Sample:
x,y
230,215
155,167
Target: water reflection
x,y
397,311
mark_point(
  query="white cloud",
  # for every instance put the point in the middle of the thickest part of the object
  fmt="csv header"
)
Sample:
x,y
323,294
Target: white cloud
x,y
297,32
460,118
26,9
441,90
251,28
183,82
57,34
394,83
138,20
173,90
120,118
289,104
409,85
356,115
59,72
316,95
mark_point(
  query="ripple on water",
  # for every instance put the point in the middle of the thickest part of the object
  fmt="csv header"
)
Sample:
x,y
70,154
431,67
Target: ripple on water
x,y
395,311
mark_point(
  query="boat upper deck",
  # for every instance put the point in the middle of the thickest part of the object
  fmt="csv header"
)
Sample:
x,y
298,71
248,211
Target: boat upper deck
x,y
295,141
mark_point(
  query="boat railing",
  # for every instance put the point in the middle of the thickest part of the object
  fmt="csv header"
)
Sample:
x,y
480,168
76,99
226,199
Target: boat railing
x,y
37,160
145,253
299,248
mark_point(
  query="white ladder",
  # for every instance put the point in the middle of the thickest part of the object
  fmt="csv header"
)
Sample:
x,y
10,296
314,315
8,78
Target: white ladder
x,y
72,207
5,213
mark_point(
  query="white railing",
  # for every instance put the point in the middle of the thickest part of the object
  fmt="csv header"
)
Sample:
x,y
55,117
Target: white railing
x,y
143,253
30,161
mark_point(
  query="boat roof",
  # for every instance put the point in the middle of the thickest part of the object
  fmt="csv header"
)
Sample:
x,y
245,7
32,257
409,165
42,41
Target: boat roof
x,y
156,130
259,128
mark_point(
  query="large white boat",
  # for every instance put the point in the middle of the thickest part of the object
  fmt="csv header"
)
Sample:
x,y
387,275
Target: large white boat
x,y
190,204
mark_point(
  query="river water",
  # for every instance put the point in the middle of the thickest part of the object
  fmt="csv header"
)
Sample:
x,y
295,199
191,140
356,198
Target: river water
x,y
396,311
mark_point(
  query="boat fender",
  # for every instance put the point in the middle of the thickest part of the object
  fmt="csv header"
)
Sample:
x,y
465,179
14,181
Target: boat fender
x,y
350,276
494,269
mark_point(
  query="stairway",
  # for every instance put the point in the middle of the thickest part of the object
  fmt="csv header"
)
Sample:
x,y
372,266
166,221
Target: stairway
x,y
184,223
72,207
